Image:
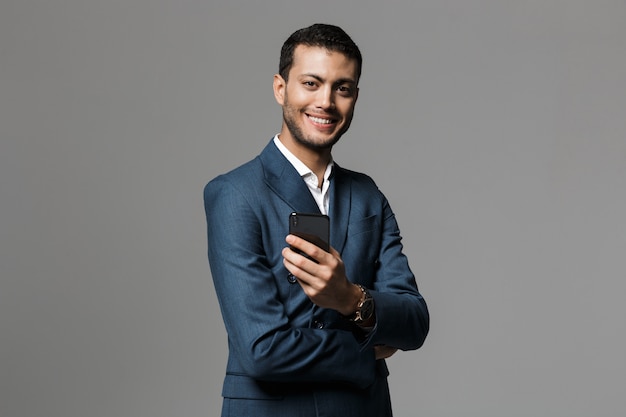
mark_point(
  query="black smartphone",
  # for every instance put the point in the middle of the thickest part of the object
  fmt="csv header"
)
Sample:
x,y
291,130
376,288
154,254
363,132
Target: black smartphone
x,y
312,227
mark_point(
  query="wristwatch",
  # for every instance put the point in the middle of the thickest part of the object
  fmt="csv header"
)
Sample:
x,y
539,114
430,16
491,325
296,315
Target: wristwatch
x,y
365,308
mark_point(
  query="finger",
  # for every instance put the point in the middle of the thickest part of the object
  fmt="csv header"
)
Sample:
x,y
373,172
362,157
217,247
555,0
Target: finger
x,y
298,260
304,279
384,351
298,266
306,247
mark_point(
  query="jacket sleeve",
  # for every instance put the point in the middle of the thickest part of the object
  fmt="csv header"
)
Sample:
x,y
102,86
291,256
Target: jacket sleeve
x,y
402,318
262,341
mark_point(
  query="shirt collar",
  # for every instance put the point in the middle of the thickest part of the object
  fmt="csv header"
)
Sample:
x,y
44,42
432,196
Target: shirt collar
x,y
302,169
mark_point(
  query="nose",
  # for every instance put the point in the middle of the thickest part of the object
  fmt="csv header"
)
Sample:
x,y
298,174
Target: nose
x,y
326,98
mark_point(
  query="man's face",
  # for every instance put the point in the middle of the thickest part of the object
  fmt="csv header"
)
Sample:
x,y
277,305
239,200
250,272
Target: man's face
x,y
318,100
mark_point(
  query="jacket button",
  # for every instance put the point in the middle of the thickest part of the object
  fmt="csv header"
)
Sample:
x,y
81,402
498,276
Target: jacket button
x,y
291,278
318,324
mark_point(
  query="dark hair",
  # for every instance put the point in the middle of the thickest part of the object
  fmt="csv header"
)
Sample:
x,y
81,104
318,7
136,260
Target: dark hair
x,y
333,38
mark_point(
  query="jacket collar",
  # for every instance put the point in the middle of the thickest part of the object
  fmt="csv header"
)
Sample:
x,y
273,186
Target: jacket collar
x,y
340,204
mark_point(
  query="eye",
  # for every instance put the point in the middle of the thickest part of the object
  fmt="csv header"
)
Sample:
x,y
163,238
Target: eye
x,y
345,90
309,84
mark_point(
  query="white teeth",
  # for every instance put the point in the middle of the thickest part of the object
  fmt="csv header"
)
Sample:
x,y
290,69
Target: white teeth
x,y
321,121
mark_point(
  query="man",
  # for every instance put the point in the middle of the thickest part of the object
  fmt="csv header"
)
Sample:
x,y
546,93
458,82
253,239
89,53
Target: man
x,y
308,337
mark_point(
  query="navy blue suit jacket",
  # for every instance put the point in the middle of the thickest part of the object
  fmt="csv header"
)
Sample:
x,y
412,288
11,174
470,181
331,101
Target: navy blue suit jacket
x,y
288,357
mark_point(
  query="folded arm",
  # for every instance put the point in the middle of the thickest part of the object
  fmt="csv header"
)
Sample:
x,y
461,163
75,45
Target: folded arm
x,y
267,344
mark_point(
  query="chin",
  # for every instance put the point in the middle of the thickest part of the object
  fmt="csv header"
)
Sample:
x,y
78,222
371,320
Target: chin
x,y
318,144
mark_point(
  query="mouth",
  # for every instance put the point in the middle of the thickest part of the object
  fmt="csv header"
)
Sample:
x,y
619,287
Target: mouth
x,y
323,122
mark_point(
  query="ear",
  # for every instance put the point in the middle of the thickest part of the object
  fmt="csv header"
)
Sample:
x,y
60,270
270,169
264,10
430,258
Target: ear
x,y
279,89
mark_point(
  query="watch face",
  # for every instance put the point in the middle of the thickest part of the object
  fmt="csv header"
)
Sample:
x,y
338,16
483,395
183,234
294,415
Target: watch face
x,y
367,309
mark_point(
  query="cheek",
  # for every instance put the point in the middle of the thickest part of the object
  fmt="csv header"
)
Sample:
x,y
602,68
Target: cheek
x,y
297,97
347,110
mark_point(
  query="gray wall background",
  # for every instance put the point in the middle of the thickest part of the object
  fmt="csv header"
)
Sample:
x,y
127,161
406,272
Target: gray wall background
x,y
497,129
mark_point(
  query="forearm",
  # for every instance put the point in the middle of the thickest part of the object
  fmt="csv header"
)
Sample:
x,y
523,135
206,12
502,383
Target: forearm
x,y
402,321
305,355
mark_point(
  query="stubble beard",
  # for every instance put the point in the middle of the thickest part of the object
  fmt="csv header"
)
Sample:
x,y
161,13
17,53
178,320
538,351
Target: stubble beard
x,y
290,115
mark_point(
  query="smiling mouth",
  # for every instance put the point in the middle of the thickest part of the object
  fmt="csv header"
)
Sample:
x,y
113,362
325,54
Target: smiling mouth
x,y
321,120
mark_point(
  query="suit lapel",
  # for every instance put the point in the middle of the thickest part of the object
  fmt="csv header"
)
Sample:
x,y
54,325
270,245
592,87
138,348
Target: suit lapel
x,y
339,211
284,180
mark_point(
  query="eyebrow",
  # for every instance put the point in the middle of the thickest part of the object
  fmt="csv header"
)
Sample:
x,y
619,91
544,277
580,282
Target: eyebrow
x,y
339,81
